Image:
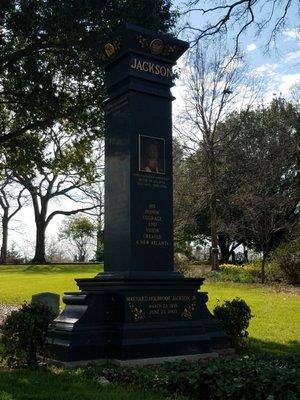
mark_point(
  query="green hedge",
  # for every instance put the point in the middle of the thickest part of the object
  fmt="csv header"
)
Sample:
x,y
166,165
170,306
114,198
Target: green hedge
x,y
224,378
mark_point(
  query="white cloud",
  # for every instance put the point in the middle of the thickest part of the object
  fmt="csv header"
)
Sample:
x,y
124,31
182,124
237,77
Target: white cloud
x,y
292,34
287,82
280,85
265,69
251,47
293,56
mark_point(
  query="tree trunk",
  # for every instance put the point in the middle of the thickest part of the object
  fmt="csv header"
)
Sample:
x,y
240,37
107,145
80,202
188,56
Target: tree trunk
x,y
214,237
246,254
99,241
232,253
100,244
224,248
40,215
3,255
39,256
213,210
81,254
81,257
263,267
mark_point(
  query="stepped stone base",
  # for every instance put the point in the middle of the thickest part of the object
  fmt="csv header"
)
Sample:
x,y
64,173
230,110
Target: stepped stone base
x,y
135,319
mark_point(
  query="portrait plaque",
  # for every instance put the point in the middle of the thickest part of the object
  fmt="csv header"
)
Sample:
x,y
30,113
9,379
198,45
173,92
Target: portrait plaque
x,y
151,154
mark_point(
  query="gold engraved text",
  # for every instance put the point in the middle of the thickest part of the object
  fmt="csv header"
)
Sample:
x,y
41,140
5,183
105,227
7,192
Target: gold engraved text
x,y
148,66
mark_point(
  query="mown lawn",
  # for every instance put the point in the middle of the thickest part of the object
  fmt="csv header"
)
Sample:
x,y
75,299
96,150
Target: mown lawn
x,y
19,282
275,327
59,384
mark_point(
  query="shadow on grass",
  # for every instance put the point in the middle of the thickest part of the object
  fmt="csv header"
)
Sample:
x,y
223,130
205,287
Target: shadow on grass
x,y
49,268
59,384
257,346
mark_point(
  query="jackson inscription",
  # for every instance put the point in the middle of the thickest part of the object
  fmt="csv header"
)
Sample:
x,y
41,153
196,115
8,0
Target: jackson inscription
x,y
151,67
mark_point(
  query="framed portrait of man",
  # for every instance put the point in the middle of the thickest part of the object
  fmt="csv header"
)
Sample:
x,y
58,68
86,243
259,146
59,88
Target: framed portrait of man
x,y
151,154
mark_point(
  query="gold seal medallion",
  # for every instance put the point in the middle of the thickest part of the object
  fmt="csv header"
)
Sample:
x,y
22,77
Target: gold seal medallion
x,y
156,46
109,49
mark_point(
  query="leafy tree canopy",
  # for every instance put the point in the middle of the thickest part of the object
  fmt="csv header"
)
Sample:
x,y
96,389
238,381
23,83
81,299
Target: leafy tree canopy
x,y
79,230
49,64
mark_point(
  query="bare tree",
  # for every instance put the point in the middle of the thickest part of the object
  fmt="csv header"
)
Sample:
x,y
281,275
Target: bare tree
x,y
265,15
56,251
216,84
12,199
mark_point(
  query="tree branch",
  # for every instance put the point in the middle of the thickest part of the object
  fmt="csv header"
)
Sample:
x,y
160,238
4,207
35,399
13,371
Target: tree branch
x,y
71,212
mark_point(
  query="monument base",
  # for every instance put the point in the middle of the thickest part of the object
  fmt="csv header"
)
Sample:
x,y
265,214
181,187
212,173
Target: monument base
x,y
132,319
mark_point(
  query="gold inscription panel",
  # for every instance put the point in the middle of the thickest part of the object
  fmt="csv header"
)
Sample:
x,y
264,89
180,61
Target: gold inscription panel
x,y
151,233
154,307
152,181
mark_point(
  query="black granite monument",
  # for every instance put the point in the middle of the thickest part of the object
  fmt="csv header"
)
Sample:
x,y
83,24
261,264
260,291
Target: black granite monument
x,y
139,307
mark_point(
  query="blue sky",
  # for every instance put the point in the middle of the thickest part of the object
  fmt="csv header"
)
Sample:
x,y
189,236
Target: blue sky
x,y
281,65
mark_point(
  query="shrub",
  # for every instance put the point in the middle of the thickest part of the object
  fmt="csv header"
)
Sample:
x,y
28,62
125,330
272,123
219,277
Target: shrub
x,y
273,272
254,269
235,273
284,266
247,378
24,333
228,267
234,317
287,257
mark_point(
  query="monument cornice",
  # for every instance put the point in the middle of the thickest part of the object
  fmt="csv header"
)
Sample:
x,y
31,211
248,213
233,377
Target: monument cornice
x,y
129,38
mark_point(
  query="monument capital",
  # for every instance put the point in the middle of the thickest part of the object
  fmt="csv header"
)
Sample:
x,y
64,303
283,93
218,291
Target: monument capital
x,y
129,38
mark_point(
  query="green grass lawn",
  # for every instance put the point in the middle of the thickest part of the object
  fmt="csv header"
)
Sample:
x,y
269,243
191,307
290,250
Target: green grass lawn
x,y
59,384
275,326
20,282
